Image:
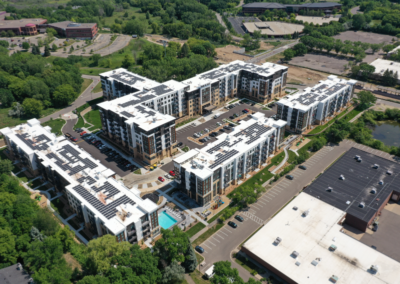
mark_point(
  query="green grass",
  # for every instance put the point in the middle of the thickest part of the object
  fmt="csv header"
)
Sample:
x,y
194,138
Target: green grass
x,y
195,229
292,156
207,234
79,123
197,277
216,216
93,117
97,88
199,257
185,149
255,52
85,84
352,114
234,101
185,122
93,71
138,172
89,103
274,43
326,125
55,124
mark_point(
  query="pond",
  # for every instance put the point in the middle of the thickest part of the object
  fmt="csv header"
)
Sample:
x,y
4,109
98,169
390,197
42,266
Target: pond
x,y
388,132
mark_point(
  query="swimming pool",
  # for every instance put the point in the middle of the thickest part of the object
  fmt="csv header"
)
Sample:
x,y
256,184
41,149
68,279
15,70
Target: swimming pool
x,y
165,220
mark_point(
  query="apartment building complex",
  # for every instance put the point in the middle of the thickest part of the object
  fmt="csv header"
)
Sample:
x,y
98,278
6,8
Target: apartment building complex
x,y
105,205
315,105
213,170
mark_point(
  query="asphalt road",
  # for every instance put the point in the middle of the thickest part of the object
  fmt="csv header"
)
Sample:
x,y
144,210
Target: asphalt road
x,y
270,54
220,246
86,96
356,10
188,131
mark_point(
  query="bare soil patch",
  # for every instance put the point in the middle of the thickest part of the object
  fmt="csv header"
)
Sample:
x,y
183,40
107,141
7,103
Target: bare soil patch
x,y
364,37
298,75
326,63
226,55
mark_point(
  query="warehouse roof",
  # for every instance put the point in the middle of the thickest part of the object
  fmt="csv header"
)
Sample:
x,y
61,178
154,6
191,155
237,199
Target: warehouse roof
x,y
358,188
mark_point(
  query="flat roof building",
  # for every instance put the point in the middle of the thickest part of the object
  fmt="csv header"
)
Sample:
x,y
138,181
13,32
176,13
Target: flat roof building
x,y
359,188
22,26
273,28
105,205
261,7
126,91
381,65
71,29
315,105
304,243
215,169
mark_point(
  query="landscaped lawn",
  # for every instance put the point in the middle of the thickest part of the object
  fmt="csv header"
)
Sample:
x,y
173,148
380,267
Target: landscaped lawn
x,y
85,84
185,122
349,115
197,277
93,117
195,229
80,123
97,88
93,71
55,124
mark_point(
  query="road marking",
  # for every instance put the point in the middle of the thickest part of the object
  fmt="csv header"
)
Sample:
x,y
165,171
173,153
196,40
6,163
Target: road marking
x,y
267,197
215,239
257,206
261,202
206,245
223,233
273,194
228,230
212,243
220,236
254,218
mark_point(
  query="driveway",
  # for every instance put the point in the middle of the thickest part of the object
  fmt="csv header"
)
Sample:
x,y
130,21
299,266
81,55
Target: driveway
x,y
270,54
86,96
219,246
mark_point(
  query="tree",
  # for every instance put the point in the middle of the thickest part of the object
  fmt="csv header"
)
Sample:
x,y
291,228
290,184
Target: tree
x,y
25,45
389,78
6,97
135,27
10,33
223,273
388,48
54,47
46,51
8,254
43,225
64,95
317,144
59,274
46,254
51,32
366,70
95,57
173,273
375,47
6,167
365,99
32,107
66,236
184,51
190,259
35,50
71,49
128,61
172,246
289,54
101,250
300,49
97,279
155,28
142,262
17,110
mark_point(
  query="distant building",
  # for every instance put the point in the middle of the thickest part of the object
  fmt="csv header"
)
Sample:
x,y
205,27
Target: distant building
x,y
381,65
70,29
315,105
276,29
261,7
213,170
22,27
14,274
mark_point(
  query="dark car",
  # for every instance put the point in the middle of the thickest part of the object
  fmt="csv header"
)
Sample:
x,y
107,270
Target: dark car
x,y
215,134
78,130
222,130
231,117
375,228
302,167
179,144
231,125
290,177
239,218
199,249
253,104
203,140
232,224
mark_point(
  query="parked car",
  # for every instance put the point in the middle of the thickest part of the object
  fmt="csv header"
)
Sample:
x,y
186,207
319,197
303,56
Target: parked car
x,y
199,249
239,218
227,127
161,179
219,123
302,167
78,130
83,133
232,224
231,117
253,104
74,139
168,176
232,125
375,227
172,173
202,140
216,116
179,144
290,177
222,130
68,135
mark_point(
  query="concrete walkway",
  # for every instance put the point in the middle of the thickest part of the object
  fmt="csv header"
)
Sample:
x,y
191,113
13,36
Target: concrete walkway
x,y
284,160
189,279
199,233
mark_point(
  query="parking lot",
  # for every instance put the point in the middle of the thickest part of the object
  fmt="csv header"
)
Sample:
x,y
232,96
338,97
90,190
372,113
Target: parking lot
x,y
105,159
188,130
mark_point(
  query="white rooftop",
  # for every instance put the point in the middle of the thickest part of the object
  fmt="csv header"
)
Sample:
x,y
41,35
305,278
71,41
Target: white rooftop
x,y
381,65
129,78
311,237
147,118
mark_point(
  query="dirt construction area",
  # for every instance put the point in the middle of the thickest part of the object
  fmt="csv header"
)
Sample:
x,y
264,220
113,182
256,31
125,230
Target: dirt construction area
x,y
298,75
364,37
225,54
325,63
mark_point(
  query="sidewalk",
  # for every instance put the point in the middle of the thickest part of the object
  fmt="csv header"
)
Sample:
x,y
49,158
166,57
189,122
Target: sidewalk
x,y
199,234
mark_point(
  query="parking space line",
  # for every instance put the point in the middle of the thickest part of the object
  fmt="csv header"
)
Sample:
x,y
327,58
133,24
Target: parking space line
x,y
261,202
220,236
212,243
267,197
228,230
206,245
223,233
257,207
215,239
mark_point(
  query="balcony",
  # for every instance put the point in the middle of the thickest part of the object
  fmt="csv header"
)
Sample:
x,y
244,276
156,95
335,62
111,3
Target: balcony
x,y
145,223
146,229
132,239
130,233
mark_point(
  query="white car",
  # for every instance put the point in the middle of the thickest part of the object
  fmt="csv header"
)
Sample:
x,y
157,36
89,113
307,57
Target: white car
x,y
168,176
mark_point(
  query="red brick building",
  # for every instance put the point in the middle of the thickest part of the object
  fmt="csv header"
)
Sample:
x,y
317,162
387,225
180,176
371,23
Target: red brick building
x,y
22,27
74,30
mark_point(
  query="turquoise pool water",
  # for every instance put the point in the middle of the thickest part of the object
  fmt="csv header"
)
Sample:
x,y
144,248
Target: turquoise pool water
x,y
165,220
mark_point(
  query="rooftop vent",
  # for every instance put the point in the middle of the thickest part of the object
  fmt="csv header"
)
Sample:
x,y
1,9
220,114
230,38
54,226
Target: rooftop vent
x,y
361,205
374,268
341,177
373,190
315,262
277,241
305,213
334,279
297,263
329,189
389,172
295,254
357,157
376,166
359,160
332,248
381,182
348,202
295,208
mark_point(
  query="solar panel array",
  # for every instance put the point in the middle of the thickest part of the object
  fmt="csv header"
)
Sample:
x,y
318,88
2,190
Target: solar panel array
x,y
108,210
225,157
139,98
40,142
254,132
145,110
127,78
89,180
161,89
217,147
127,114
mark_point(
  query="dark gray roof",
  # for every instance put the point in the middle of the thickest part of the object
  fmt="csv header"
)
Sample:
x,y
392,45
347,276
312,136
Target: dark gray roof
x,y
321,5
309,98
161,90
223,157
12,275
265,5
360,179
269,5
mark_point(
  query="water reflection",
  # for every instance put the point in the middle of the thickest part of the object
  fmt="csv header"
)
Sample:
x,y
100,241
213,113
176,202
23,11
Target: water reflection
x,y
388,132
